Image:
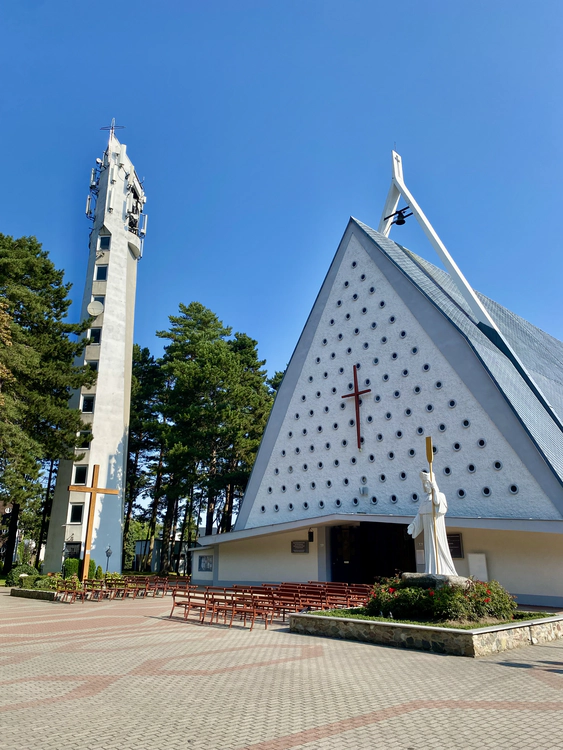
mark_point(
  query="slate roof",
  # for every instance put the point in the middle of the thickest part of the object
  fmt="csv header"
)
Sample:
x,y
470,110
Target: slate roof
x,y
540,354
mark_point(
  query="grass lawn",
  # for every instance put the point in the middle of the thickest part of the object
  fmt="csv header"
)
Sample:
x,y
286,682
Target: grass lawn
x,y
359,613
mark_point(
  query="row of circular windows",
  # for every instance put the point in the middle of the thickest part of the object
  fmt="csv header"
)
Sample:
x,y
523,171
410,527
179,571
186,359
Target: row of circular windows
x,y
382,478
384,339
394,356
481,443
461,493
388,415
438,385
471,468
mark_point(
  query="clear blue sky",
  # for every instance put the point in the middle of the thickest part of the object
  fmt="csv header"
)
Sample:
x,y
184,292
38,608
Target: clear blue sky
x,y
261,126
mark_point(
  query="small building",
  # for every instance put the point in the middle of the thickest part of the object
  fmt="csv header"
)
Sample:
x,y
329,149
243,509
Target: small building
x,y
394,350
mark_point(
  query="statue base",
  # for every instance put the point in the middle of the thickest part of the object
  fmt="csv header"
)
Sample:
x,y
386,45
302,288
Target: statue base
x,y
433,580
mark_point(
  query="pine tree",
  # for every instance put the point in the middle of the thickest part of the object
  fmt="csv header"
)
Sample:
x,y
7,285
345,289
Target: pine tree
x,y
37,371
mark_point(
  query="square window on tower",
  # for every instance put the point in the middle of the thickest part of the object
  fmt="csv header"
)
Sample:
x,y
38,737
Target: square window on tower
x,y
101,273
84,440
80,474
105,243
95,335
76,511
88,404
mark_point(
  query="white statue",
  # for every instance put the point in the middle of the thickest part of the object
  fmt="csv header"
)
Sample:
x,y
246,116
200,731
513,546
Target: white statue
x,y
430,519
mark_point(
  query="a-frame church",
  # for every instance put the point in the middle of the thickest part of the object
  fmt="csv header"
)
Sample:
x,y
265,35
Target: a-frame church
x,y
396,349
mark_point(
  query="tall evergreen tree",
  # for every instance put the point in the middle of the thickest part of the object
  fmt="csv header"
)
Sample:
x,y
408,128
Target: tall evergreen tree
x,y
37,371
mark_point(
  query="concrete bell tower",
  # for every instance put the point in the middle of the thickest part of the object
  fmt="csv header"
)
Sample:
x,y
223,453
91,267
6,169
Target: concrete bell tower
x,y
115,206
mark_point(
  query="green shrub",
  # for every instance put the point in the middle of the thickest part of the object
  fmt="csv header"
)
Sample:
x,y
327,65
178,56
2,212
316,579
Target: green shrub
x,y
71,566
48,583
473,602
13,577
29,581
92,569
99,572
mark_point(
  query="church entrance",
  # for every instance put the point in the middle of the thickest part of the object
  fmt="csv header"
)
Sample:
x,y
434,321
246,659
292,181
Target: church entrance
x,y
360,553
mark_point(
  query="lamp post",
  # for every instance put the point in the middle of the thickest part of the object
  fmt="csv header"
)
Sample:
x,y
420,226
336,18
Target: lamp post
x,y
108,555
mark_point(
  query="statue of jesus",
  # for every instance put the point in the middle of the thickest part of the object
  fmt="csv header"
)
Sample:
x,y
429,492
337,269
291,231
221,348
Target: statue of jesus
x,y
430,519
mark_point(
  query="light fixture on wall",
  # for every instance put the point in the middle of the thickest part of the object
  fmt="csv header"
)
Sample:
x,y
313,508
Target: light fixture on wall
x,y
311,535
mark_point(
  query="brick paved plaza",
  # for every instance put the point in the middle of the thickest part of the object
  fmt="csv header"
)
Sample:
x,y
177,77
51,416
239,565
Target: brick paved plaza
x,y
122,675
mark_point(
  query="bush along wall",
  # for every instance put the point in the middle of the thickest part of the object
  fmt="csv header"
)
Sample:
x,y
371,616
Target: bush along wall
x,y
475,601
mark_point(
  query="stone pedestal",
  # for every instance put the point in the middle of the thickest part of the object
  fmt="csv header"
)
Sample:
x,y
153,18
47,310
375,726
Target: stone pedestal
x,y
433,580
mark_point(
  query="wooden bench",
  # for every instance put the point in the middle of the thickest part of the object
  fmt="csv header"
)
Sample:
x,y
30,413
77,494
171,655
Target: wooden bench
x,y
191,598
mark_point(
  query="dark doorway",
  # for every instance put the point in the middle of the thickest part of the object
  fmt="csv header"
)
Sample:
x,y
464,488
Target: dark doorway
x,y
360,553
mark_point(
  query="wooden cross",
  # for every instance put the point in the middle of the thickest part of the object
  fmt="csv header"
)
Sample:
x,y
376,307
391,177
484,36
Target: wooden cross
x,y
356,396
94,491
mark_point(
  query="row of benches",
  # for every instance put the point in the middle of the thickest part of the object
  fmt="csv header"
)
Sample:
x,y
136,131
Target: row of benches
x,y
133,586
266,602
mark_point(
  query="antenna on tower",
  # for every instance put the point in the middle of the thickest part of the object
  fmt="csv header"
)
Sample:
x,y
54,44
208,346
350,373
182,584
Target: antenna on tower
x,y
113,127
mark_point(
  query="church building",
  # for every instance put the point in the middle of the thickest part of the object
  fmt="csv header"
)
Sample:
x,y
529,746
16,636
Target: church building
x,y
394,350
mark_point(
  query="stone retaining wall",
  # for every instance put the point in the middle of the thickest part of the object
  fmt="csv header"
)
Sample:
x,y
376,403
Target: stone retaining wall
x,y
475,642
46,596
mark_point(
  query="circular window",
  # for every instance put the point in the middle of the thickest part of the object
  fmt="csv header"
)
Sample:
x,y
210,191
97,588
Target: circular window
x,y
374,500
420,430
298,450
346,481
277,471
414,497
390,455
336,462
290,434
403,334
290,506
353,460
497,465
461,493
377,398
466,423
396,394
471,468
382,477
342,405
276,508
328,483
354,297
339,303
429,407
367,381
338,502
408,412
325,342
347,316
327,446
426,367
297,416
403,475
442,427
486,491
416,389
438,384
348,351
317,360
414,350
335,426
311,448
363,277
269,490
344,443
457,446
371,289
384,339
513,489
306,505
319,428
340,336
379,437
326,410
356,331
394,355
341,370
452,404
346,283
388,415
305,467
313,485
297,487
405,373
332,355
371,458
263,508
303,398
355,501
354,264
311,412
482,443
283,453
332,321
369,419
376,361
374,325
310,378
392,319
364,310
394,498
412,452
290,469
320,465
447,471
382,304
385,378
366,345
399,434
325,375
351,422
333,390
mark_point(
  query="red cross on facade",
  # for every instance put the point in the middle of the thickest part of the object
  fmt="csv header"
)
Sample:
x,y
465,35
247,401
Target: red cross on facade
x,y
356,396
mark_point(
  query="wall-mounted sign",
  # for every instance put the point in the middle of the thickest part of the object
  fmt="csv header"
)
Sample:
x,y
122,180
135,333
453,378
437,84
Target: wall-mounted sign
x,y
205,563
455,544
300,546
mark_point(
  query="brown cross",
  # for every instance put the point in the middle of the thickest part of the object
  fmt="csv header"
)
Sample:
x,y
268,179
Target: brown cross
x,y
356,396
94,491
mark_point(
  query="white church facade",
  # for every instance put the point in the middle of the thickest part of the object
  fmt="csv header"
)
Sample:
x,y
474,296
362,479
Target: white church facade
x,y
394,350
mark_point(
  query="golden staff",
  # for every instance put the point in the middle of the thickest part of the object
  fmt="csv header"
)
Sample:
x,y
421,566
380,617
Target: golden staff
x,y
430,458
